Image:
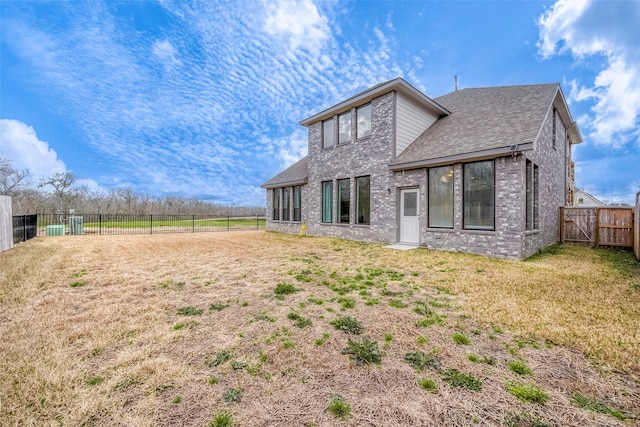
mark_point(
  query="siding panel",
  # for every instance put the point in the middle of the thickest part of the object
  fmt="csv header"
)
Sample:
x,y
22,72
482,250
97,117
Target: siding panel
x,y
411,121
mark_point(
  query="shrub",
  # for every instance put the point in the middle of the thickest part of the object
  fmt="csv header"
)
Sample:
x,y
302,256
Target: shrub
x,y
364,352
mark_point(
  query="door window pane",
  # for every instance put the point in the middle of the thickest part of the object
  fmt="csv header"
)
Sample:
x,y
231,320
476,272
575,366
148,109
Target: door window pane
x,y
363,211
344,200
410,203
441,197
479,195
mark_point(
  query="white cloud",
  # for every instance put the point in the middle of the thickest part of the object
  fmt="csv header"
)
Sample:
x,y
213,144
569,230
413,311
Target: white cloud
x,y
21,146
299,23
600,30
292,148
166,52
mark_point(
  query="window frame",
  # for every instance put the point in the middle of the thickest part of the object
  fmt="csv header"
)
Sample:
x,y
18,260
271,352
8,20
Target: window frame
x,y
286,204
431,202
358,109
297,201
327,205
340,116
532,199
357,213
467,222
332,136
276,204
344,201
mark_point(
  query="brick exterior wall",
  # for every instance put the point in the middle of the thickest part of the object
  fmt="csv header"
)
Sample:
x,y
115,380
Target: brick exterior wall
x,y
367,156
372,155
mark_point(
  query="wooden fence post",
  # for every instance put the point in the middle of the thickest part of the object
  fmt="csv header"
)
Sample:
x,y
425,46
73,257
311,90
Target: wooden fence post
x,y
597,237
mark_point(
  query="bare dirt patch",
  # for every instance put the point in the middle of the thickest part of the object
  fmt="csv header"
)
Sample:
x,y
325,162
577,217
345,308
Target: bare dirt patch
x,y
178,329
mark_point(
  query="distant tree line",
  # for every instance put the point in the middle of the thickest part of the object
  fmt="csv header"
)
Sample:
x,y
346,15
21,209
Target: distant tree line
x,y
58,193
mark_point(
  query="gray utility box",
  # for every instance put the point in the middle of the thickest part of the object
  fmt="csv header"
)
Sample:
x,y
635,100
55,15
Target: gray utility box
x,y
75,225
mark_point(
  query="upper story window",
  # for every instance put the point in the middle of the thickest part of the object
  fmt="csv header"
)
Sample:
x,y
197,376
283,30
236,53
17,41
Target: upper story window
x,y
344,127
363,117
328,133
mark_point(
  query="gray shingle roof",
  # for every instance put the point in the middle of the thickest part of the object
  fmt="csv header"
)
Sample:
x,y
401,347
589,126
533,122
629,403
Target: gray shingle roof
x,y
483,119
298,173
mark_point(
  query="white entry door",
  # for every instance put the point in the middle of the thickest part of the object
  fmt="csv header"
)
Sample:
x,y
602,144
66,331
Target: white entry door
x,y
409,218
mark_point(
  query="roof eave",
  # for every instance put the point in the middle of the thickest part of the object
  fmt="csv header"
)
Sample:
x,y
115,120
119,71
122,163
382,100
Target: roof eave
x,y
464,158
268,185
398,84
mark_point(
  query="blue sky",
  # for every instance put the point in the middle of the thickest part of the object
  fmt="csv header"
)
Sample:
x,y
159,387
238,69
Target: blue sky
x,y
203,99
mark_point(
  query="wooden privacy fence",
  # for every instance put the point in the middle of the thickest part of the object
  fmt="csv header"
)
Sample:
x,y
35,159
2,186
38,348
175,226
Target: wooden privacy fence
x,y
636,239
598,226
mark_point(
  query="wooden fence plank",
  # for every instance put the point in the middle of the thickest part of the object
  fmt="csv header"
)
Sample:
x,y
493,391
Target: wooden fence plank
x,y
602,226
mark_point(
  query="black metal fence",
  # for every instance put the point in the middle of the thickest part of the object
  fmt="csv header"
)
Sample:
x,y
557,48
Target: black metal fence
x,y
81,224
24,227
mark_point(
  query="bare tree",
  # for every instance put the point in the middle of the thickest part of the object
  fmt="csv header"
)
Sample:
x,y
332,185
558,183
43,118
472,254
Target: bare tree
x,y
11,179
61,183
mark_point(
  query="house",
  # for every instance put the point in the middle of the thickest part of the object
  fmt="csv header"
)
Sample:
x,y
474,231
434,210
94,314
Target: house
x,y
582,199
478,170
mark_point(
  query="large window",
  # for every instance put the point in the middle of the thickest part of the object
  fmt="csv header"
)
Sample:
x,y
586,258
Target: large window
x,y
479,195
286,203
441,197
363,117
327,201
276,204
327,133
344,127
363,189
532,196
297,203
344,200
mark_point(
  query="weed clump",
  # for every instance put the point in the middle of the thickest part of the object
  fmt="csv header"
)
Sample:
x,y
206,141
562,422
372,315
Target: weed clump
x,y
284,289
458,379
364,352
428,384
338,407
190,311
348,325
590,403
221,357
519,367
421,360
217,307
232,395
300,321
222,419
462,339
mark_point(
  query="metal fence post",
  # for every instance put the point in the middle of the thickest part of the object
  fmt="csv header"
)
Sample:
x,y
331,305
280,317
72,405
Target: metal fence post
x,y
227,222
24,228
151,223
193,223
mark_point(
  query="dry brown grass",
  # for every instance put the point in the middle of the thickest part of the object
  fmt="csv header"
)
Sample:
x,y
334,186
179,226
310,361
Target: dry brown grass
x,y
108,353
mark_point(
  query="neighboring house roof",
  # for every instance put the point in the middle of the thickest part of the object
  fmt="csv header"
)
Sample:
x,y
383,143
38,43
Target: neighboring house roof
x,y
483,122
296,174
397,84
582,198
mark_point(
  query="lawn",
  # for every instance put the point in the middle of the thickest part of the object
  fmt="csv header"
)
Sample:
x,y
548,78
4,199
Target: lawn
x,y
256,328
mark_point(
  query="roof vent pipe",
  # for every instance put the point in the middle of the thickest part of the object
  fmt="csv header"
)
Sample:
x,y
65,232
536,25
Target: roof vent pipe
x,y
455,83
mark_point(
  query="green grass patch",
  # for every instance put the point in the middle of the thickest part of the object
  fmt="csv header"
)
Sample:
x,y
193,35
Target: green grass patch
x,y
338,407
348,325
363,352
189,311
222,419
427,321
428,384
95,380
477,359
322,339
299,321
461,339
461,380
591,404
212,380
78,284
519,367
527,393
346,303
524,420
396,303
217,307
284,289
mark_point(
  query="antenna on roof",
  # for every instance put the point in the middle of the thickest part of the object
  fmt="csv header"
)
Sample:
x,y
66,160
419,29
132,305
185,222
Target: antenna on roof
x,y
455,83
